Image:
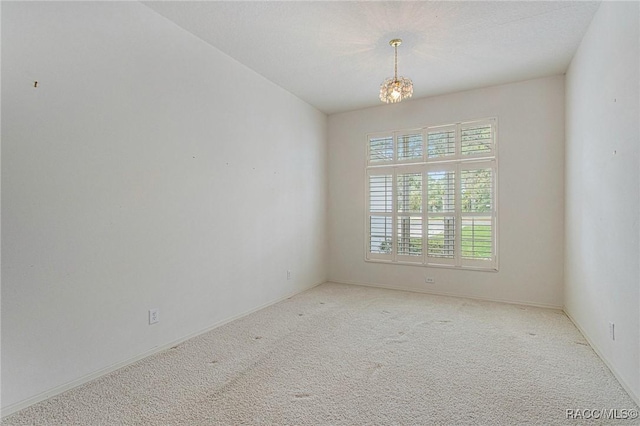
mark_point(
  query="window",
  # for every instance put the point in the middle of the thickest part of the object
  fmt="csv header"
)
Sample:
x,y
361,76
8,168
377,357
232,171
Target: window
x,y
431,196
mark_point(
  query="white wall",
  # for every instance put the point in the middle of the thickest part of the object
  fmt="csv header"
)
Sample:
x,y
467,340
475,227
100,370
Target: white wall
x,y
147,170
602,268
531,156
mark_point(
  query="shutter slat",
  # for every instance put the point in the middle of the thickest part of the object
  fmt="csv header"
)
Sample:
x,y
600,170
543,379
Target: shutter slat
x,y
380,193
409,193
441,237
409,233
476,186
409,147
441,143
441,191
477,238
380,234
381,149
476,140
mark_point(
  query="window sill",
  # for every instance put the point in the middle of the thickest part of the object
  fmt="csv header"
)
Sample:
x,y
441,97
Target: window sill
x,y
431,265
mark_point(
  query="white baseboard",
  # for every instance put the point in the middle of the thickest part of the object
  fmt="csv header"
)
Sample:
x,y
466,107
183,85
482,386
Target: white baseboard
x,y
441,293
623,383
14,408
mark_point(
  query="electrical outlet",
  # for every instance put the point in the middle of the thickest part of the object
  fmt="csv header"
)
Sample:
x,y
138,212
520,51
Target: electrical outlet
x,y
612,330
154,316
288,275
429,280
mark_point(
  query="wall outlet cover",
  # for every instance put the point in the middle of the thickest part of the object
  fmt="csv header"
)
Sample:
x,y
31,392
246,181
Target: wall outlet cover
x,y
154,316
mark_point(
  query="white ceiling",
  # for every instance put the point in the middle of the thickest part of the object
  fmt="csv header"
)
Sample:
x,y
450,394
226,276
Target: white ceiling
x,y
334,55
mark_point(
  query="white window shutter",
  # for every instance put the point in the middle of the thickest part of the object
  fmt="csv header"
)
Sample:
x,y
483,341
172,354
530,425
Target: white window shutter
x,y
431,196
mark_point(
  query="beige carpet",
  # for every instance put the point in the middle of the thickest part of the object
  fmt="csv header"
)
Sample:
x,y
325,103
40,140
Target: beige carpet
x,y
349,355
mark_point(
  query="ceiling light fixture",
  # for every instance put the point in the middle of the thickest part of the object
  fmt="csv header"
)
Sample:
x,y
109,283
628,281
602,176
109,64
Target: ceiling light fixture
x,y
397,88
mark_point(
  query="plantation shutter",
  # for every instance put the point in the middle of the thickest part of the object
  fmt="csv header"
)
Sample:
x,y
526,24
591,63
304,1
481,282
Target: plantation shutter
x,y
380,149
441,215
441,142
477,214
409,146
409,216
380,217
476,139
431,196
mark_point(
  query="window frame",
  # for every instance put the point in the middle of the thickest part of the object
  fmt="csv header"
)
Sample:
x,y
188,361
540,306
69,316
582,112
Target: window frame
x,y
456,162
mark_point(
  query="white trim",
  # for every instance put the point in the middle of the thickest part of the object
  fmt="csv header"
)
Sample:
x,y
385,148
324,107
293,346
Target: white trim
x,y
430,163
432,265
623,383
21,405
438,293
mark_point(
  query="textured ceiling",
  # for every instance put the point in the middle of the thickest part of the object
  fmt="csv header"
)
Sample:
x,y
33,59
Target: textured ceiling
x,y
334,55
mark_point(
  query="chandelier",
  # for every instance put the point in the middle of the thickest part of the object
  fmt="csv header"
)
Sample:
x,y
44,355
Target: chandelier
x,y
397,88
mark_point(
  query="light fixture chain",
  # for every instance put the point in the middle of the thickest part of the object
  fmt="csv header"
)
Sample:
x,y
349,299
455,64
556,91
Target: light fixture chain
x,y
395,69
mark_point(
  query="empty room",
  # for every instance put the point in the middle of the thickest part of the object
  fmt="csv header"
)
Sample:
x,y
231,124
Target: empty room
x,y
320,213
